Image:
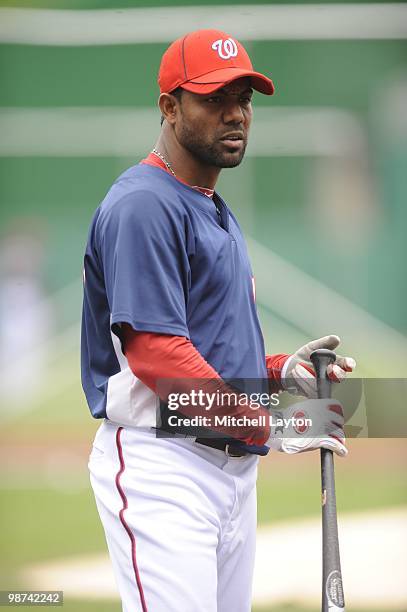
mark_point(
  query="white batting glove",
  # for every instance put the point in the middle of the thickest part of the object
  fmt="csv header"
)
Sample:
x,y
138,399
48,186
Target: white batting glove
x,y
298,376
308,425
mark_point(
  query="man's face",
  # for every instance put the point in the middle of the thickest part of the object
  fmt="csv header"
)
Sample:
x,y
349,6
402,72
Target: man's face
x,y
214,127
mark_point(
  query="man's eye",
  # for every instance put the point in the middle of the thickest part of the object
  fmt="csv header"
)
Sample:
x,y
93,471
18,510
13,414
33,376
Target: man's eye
x,y
245,100
214,99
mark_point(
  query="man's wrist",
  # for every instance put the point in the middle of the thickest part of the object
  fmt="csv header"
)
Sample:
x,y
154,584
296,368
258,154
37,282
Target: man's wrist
x,y
275,365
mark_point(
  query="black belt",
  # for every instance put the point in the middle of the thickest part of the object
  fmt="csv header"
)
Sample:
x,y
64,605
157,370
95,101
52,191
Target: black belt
x,y
226,447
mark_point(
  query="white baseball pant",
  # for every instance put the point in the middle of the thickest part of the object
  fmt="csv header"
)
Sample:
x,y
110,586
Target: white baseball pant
x,y
179,519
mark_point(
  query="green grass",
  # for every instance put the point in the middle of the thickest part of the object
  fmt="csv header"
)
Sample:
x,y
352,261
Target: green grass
x,y
289,495
295,608
61,414
43,523
76,605
84,606
114,606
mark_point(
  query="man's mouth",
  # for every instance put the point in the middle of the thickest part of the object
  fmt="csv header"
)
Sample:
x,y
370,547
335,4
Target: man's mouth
x,y
233,139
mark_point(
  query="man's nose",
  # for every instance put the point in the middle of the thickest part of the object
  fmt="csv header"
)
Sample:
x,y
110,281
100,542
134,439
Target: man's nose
x,y
233,112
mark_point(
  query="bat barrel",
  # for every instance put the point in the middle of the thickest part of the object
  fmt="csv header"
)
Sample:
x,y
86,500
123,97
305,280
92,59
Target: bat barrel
x,y
332,587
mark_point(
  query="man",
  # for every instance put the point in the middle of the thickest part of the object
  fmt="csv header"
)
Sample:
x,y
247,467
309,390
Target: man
x,y
169,294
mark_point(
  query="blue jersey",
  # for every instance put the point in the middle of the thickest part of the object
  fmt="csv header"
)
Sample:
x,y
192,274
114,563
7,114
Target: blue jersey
x,y
162,258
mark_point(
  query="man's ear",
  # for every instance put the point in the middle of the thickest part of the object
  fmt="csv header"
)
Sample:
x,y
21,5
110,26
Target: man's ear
x,y
169,107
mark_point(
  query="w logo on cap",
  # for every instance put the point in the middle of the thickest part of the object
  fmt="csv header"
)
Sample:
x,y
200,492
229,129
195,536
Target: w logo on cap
x,y
225,48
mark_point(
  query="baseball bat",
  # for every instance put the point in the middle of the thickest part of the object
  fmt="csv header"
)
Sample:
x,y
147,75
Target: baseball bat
x,y
332,588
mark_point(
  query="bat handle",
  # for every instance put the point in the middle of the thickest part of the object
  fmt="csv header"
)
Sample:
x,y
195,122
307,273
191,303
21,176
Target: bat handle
x,y
332,589
321,359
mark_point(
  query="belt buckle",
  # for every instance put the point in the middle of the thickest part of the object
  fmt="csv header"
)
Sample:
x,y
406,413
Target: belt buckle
x,y
233,455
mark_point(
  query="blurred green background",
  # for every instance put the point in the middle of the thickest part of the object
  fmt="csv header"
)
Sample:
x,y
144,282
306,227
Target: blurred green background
x,y
320,195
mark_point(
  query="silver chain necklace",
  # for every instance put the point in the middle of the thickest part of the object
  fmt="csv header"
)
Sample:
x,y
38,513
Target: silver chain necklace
x,y
161,156
165,161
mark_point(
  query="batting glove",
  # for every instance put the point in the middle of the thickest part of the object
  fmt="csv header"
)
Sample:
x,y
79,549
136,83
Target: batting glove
x,y
308,425
298,375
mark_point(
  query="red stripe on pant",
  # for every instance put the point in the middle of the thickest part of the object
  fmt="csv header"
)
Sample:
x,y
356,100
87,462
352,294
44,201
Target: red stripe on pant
x,y
123,520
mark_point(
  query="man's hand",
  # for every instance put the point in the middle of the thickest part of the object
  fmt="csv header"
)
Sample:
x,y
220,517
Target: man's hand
x,y
309,425
298,376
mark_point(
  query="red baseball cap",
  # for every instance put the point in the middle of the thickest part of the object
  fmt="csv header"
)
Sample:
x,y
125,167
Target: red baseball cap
x,y
205,60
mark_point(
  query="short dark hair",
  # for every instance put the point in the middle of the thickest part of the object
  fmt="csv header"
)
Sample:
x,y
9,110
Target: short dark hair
x,y
177,93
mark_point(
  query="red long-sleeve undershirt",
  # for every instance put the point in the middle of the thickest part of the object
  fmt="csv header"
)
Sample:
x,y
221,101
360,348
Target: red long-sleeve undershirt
x,y
153,357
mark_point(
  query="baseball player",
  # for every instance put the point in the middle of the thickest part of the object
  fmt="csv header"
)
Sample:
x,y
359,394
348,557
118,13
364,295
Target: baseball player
x,y
169,294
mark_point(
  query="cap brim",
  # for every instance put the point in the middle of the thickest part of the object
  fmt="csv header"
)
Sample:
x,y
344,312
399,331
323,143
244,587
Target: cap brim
x,y
208,83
